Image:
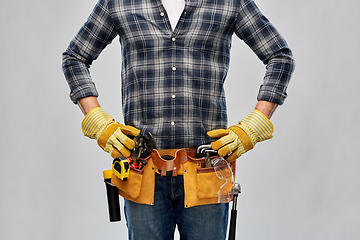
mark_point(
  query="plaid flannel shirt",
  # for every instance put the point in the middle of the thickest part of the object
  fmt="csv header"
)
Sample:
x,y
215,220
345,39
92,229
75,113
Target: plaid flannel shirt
x,y
172,80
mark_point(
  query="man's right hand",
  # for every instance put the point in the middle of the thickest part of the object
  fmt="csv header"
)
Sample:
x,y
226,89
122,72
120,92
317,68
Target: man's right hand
x,y
110,135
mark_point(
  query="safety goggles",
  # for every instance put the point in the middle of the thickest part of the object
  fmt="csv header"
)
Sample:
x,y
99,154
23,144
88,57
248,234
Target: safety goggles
x,y
223,171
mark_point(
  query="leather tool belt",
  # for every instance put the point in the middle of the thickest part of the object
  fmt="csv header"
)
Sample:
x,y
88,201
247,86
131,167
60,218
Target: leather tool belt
x,y
170,162
201,185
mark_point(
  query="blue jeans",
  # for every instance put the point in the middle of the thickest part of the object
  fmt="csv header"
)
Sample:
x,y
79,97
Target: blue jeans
x,y
157,222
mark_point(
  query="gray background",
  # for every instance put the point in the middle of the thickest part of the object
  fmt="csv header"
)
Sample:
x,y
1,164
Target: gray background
x,y
302,184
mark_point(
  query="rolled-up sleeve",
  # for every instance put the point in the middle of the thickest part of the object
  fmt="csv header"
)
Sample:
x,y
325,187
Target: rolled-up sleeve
x,y
265,41
97,32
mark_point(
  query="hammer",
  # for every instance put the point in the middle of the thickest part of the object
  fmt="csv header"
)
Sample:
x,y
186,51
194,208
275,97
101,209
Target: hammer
x,y
236,190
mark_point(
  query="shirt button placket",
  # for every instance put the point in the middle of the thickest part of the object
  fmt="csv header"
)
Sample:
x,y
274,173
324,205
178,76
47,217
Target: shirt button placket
x,y
173,97
174,70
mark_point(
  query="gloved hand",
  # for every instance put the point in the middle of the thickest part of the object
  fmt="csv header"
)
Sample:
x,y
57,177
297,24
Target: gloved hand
x,y
242,137
110,135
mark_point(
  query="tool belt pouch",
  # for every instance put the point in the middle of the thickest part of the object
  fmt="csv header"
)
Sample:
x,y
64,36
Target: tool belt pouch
x,y
202,185
140,186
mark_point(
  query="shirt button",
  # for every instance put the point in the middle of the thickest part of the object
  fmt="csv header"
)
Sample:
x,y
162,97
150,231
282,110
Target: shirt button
x,y
173,39
174,68
173,123
173,96
162,14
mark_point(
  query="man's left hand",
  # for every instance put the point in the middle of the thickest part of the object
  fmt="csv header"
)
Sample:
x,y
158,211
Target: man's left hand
x,y
242,137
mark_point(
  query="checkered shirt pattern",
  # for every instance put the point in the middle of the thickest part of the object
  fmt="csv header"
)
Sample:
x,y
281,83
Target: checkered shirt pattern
x,y
173,81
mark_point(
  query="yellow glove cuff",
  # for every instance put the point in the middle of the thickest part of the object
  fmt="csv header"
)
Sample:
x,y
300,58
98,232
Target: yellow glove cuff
x,y
257,126
95,122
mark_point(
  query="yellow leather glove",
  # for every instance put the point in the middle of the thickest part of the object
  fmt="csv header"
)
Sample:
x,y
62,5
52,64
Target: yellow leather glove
x,y
242,137
110,135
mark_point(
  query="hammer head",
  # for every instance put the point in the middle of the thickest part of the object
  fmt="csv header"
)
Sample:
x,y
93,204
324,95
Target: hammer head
x,y
236,189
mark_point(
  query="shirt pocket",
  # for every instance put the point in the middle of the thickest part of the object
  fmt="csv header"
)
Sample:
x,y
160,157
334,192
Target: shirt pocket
x,y
210,31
